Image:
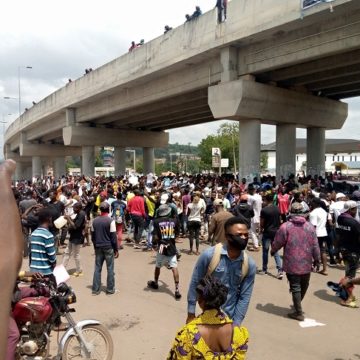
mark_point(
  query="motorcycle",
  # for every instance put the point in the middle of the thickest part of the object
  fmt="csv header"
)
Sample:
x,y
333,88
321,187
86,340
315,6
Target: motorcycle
x,y
37,316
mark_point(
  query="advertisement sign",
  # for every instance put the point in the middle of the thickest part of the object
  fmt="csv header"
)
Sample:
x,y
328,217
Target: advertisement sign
x,y
224,163
215,152
215,161
305,4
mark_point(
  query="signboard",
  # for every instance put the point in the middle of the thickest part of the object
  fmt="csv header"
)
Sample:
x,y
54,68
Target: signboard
x,y
215,152
216,161
305,4
224,163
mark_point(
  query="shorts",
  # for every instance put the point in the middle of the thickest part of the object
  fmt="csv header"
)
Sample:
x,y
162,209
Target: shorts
x,y
164,260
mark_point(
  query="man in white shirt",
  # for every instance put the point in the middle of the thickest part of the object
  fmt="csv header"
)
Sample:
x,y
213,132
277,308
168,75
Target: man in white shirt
x,y
318,218
255,201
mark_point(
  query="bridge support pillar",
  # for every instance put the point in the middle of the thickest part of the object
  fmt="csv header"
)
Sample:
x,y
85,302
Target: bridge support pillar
x,y
59,167
285,150
149,160
88,161
119,161
36,166
249,149
315,153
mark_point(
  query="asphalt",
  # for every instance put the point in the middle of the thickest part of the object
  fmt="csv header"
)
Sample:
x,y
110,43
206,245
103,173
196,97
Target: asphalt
x,y
143,322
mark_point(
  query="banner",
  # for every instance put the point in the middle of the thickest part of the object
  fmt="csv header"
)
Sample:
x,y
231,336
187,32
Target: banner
x,y
305,4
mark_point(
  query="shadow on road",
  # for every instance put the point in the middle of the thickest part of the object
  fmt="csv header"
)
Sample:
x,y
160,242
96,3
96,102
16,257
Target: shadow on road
x,y
273,309
163,288
357,356
324,295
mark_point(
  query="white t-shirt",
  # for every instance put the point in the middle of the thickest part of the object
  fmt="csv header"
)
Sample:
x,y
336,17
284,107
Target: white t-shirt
x,y
336,209
195,212
318,217
257,206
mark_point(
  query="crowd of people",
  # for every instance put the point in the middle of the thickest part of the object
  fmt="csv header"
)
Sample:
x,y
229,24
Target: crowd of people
x,y
315,226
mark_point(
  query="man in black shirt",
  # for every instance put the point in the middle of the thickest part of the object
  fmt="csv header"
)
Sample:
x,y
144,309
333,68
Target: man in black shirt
x,y
349,232
269,225
165,230
76,228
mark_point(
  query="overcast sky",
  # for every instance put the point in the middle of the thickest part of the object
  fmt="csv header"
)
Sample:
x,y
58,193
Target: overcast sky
x,y
59,39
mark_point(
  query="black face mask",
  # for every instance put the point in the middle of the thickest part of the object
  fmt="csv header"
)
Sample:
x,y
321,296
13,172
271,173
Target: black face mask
x,y
237,241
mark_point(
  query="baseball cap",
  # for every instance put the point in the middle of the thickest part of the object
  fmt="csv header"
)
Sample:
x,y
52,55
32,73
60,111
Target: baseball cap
x,y
218,202
163,210
350,205
104,206
340,195
297,208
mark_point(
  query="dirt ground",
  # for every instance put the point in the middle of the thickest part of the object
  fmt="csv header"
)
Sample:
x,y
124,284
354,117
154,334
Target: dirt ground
x,y
143,322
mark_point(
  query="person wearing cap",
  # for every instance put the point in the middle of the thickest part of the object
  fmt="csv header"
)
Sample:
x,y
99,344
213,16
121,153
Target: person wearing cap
x,y
166,229
216,228
349,238
301,251
335,210
103,231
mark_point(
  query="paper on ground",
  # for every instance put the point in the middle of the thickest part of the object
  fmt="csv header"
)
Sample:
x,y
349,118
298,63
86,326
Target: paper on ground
x,y
310,323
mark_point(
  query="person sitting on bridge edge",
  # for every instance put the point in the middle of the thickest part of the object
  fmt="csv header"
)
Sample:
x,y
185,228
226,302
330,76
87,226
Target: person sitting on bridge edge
x,y
188,18
167,29
196,13
133,46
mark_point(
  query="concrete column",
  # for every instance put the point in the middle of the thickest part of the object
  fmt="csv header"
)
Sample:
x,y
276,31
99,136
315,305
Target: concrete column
x,y
228,59
249,149
148,160
70,117
285,150
119,161
36,166
19,172
59,167
88,161
315,153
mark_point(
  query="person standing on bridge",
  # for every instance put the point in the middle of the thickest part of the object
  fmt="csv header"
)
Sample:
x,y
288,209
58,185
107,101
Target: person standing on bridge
x,y
221,6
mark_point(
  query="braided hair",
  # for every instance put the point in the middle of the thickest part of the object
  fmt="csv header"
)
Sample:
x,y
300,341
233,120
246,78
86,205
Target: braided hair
x,y
212,291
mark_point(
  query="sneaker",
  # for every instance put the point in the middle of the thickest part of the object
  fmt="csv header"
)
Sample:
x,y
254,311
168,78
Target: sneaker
x,y
116,291
177,295
78,273
280,275
94,293
262,272
296,316
136,246
152,284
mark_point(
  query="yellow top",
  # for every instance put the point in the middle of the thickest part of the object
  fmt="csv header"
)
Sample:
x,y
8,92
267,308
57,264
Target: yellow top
x,y
189,344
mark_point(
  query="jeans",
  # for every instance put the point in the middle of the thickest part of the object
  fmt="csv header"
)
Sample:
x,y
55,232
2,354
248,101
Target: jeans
x,y
150,229
184,224
138,223
102,255
194,232
298,287
265,255
72,249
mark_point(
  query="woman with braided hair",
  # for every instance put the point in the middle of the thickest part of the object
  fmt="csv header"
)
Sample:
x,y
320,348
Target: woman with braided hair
x,y
212,334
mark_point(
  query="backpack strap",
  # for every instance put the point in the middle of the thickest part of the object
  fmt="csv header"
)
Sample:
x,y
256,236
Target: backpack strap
x,y
214,262
244,265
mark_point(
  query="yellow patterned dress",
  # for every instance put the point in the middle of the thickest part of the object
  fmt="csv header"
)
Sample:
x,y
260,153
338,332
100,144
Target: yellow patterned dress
x,y
189,344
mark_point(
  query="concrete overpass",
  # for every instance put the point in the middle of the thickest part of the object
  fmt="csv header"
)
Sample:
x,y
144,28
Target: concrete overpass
x,y
270,62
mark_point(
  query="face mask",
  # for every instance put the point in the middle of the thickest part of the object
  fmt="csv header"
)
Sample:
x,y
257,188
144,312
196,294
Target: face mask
x,y
237,241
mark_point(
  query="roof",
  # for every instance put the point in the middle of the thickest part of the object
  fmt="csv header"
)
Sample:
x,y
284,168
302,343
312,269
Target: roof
x,y
347,164
331,146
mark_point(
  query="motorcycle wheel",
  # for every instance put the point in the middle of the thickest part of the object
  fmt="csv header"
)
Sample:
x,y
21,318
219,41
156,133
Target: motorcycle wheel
x,y
98,339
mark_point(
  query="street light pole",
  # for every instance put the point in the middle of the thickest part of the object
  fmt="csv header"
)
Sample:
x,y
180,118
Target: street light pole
x,y
19,84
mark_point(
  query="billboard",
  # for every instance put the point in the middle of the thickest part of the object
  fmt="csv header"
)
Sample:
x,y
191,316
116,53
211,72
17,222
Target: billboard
x,y
305,4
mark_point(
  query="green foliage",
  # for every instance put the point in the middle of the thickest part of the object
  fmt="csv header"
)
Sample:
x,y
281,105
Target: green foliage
x,y
264,161
227,139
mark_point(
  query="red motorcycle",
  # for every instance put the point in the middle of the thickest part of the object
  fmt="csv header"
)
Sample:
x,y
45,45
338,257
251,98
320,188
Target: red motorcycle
x,y
36,317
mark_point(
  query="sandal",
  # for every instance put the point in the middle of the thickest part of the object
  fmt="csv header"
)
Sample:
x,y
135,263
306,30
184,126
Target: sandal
x,y
152,284
177,295
351,304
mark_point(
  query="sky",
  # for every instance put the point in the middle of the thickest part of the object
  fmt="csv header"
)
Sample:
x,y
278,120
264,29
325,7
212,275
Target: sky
x,y
59,39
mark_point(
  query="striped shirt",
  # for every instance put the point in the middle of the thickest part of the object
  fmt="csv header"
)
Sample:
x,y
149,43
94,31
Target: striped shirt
x,y
42,251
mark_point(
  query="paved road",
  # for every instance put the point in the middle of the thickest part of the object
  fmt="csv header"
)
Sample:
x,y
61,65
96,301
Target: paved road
x,y
143,323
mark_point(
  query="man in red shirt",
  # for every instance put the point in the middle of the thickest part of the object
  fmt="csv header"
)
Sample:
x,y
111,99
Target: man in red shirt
x,y
136,209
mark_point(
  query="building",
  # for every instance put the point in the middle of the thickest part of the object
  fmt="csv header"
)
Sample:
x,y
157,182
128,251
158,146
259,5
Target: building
x,y
336,151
